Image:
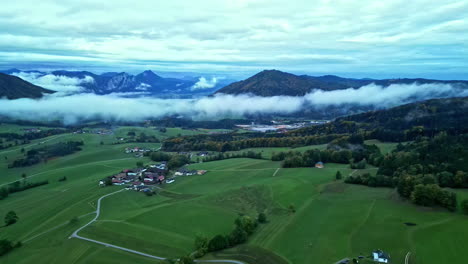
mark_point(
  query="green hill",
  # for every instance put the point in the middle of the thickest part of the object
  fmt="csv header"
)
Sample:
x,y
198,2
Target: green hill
x,y
275,83
13,87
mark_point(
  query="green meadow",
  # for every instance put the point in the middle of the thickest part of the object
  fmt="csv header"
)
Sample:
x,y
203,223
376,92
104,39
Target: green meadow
x,y
331,220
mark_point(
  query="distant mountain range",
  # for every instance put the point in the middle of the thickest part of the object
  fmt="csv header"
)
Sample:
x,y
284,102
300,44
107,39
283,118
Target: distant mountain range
x,y
13,87
274,83
146,82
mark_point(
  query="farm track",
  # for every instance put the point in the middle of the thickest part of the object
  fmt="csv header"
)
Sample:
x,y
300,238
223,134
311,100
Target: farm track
x,y
98,212
407,257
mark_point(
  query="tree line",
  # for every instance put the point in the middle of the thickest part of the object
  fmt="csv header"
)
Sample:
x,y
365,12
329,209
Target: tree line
x,y
18,186
346,150
37,155
231,142
420,169
244,226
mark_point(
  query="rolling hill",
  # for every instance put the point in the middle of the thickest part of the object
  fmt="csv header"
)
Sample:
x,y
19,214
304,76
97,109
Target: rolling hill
x,y
275,83
13,87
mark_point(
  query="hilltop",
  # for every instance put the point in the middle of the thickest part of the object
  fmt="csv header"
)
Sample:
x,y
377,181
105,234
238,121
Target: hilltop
x,y
13,87
276,83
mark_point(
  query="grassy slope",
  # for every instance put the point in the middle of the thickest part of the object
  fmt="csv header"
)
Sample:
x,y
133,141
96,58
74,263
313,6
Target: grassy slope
x,y
43,208
332,221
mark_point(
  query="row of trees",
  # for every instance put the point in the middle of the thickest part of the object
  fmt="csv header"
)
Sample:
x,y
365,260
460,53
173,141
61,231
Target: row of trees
x,y
243,228
142,138
235,142
37,155
19,186
308,158
222,156
6,246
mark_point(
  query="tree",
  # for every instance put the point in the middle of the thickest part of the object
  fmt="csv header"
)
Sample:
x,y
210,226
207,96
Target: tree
x,y
238,236
102,142
292,208
11,218
217,243
338,175
262,218
73,221
246,223
23,176
201,242
464,206
425,195
5,246
139,164
108,181
3,193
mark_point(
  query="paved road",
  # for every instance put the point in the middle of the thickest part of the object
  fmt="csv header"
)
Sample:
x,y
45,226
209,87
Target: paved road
x,y
98,212
407,257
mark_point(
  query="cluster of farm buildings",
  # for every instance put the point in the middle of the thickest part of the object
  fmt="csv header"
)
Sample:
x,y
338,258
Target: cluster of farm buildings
x,y
146,179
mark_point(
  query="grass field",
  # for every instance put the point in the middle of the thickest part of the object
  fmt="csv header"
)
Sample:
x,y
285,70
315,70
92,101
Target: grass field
x,y
385,147
332,220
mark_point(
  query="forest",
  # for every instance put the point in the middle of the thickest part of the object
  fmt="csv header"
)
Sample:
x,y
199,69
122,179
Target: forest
x,y
420,169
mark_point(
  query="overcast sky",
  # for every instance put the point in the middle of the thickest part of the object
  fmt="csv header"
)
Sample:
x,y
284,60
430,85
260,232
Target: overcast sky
x,y
350,38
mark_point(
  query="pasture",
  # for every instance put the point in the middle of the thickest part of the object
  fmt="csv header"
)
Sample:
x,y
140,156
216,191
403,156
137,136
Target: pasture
x,y
330,221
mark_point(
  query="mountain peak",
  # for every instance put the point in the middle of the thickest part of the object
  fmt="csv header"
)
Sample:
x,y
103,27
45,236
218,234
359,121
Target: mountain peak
x,y
149,73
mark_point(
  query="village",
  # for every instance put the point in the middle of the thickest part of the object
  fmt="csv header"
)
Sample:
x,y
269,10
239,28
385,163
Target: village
x,y
280,127
147,179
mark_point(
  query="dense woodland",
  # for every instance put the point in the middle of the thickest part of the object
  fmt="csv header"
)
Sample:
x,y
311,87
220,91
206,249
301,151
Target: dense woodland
x,y
419,169
234,142
37,155
433,157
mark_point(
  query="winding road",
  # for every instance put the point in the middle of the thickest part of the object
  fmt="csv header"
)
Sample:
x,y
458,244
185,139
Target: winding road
x,y
98,212
407,258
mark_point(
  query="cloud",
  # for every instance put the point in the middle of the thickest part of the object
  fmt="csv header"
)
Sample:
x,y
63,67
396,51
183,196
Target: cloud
x,y
380,37
380,96
143,87
204,83
62,84
79,107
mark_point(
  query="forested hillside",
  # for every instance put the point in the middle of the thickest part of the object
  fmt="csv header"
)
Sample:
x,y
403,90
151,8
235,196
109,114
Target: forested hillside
x,y
13,87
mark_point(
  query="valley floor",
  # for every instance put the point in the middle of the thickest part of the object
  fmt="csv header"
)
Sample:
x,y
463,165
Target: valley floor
x,y
332,220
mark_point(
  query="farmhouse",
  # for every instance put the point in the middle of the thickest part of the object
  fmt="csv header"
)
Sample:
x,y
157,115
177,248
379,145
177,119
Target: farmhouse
x,y
161,166
319,165
185,172
380,256
203,153
136,150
